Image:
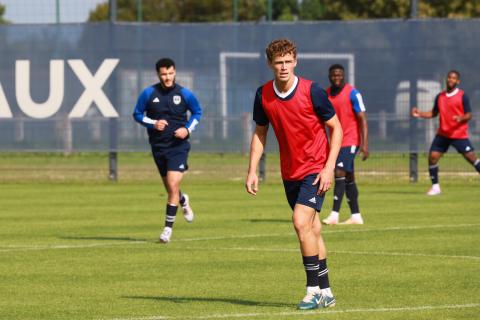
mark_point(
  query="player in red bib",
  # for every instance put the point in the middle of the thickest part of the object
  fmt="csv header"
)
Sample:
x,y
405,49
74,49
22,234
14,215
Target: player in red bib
x,y
453,106
348,104
298,111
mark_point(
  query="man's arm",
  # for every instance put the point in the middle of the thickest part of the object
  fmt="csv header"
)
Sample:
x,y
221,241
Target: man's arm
x,y
359,109
467,116
416,113
139,110
362,121
257,146
196,113
325,177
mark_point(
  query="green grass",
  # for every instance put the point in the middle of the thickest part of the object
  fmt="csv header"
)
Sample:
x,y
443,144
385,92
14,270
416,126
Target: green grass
x,y
73,246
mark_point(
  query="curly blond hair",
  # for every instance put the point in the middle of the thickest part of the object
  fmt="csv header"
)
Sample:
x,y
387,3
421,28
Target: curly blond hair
x,y
280,47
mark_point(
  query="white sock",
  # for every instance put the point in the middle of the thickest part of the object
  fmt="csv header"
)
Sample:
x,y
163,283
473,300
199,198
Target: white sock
x,y
436,185
327,292
356,216
313,289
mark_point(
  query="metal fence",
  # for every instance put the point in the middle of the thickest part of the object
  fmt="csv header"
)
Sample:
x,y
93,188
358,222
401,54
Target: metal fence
x,y
72,87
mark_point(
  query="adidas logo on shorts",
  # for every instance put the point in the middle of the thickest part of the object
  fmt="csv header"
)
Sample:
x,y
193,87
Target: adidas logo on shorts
x,y
313,200
182,166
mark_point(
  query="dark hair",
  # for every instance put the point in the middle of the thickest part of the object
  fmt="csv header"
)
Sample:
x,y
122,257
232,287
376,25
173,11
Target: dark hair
x,y
280,47
336,67
454,71
164,63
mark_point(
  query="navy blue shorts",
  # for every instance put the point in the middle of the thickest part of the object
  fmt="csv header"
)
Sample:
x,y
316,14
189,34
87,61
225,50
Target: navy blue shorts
x,y
346,158
441,144
303,192
171,159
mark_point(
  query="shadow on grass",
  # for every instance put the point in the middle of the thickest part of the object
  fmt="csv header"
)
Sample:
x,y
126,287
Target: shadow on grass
x,y
202,299
105,238
269,220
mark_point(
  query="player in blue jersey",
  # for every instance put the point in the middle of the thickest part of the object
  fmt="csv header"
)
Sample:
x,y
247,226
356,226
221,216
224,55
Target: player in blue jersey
x,y
162,109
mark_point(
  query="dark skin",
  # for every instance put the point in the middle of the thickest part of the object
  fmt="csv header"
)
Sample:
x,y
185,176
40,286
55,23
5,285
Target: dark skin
x,y
337,80
453,80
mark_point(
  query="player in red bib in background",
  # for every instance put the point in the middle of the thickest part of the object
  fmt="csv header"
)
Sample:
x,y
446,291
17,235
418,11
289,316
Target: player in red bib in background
x,y
298,111
348,104
453,106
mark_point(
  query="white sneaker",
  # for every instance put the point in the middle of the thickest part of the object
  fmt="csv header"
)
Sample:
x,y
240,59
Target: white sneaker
x,y
355,218
434,190
332,218
187,210
166,235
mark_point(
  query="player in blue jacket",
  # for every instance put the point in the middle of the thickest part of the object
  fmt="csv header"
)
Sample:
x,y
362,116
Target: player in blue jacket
x,y
162,109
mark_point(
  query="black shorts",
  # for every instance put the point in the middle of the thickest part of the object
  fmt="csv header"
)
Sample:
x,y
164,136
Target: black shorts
x,y
303,192
346,158
441,144
172,158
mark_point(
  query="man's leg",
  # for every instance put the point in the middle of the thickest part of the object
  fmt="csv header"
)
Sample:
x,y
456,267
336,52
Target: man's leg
x,y
172,184
433,158
351,192
303,222
327,296
472,158
338,192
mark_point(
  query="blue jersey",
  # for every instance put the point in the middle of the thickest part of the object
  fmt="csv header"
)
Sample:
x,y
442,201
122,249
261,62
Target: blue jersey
x,y
170,104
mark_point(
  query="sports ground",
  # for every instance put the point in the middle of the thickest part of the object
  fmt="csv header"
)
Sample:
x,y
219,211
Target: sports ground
x,y
75,246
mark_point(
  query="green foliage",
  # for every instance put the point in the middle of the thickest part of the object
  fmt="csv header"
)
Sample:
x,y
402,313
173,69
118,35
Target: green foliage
x,y
312,10
449,9
183,10
283,10
363,9
2,12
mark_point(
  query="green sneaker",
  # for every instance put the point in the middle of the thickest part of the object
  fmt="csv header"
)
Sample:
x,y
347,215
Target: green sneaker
x,y
311,301
326,301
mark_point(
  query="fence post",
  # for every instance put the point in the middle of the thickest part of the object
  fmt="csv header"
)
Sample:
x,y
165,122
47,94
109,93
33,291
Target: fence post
x,y
413,124
113,122
262,173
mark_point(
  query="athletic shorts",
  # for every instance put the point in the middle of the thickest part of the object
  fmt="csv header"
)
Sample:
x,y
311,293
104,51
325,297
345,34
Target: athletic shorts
x,y
303,192
441,144
171,159
346,158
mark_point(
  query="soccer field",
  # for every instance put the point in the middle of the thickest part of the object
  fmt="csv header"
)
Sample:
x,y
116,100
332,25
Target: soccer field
x,y
88,249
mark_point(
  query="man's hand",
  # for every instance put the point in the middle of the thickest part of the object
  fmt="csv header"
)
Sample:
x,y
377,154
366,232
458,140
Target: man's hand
x,y
252,183
365,153
181,133
161,124
415,112
325,177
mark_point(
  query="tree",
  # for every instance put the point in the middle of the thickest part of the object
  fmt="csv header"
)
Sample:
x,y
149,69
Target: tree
x,y
284,10
311,10
183,10
449,9
360,9
2,12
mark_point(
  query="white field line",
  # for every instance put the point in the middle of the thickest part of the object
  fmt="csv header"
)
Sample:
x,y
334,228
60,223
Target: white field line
x,y
67,246
306,313
361,253
9,248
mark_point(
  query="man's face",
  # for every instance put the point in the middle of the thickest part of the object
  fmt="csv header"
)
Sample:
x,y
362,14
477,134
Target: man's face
x,y
337,77
452,80
167,76
283,66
